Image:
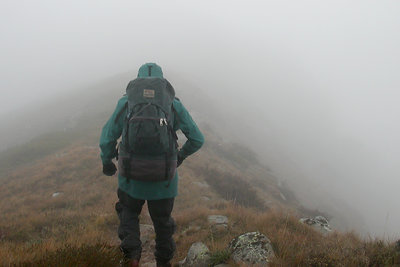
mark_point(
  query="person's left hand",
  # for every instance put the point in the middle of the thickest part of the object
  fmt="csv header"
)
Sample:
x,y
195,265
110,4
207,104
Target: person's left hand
x,y
109,169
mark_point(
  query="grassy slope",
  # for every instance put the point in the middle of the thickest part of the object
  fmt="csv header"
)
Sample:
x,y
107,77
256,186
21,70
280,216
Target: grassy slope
x,y
79,226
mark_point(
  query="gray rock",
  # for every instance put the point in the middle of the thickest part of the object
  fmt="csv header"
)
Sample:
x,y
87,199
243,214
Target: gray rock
x,y
308,221
319,223
146,233
218,223
56,194
321,219
198,255
222,265
201,184
251,248
217,219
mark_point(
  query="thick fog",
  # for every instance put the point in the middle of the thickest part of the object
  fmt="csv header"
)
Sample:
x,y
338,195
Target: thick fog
x,y
314,84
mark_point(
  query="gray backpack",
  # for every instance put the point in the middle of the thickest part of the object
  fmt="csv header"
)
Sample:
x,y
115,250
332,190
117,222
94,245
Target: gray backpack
x,y
148,150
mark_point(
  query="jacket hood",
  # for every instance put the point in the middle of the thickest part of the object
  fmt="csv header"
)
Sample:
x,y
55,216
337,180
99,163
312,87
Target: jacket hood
x,y
150,70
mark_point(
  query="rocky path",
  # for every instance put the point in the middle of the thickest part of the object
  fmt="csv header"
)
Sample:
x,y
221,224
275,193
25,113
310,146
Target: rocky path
x,y
147,236
249,248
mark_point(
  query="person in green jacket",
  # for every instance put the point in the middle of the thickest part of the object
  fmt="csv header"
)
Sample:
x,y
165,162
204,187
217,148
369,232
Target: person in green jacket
x,y
132,194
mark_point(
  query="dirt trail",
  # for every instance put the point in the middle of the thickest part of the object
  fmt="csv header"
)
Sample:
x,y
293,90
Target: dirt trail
x,y
147,236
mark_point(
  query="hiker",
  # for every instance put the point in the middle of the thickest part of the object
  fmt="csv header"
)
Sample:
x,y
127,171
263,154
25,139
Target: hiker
x,y
147,117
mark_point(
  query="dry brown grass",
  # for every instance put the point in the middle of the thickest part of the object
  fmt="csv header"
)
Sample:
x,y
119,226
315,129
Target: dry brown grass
x,y
82,219
33,221
295,244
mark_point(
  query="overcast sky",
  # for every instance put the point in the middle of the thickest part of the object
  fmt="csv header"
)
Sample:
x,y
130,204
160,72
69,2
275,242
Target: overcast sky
x,y
320,77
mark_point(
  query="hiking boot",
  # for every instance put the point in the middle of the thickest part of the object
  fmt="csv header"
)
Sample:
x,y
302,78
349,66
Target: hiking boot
x,y
133,263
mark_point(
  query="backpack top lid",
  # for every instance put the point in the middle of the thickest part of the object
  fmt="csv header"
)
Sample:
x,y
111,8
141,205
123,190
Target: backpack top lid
x,y
152,90
150,70
150,87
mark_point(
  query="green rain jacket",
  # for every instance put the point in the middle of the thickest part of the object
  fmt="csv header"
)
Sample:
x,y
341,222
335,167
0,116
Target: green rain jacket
x,y
112,130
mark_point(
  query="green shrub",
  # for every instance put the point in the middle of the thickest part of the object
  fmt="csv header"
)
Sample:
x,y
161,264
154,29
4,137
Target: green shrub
x,y
219,257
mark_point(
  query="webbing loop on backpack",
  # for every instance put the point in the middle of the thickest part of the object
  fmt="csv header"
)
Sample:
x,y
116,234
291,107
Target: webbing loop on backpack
x,y
141,110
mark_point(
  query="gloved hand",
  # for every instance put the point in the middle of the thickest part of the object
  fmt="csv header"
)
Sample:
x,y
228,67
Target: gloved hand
x,y
109,169
180,160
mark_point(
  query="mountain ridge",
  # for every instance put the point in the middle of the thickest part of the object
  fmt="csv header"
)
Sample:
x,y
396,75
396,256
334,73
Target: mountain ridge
x,y
56,198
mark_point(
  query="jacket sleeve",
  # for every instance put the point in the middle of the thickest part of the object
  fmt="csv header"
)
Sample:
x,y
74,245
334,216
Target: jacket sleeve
x,y
112,130
185,123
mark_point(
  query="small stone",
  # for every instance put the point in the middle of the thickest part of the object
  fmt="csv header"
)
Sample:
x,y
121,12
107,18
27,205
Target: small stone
x,y
198,255
56,194
217,219
218,223
201,184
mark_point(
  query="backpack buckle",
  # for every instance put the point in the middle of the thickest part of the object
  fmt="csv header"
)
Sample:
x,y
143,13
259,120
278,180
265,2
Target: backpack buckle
x,y
163,121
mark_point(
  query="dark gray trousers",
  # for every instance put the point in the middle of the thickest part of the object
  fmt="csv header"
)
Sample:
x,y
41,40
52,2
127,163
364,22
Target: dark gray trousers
x,y
128,210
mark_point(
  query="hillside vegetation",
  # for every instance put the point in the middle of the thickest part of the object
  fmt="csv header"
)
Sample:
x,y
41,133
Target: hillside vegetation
x,y
77,226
